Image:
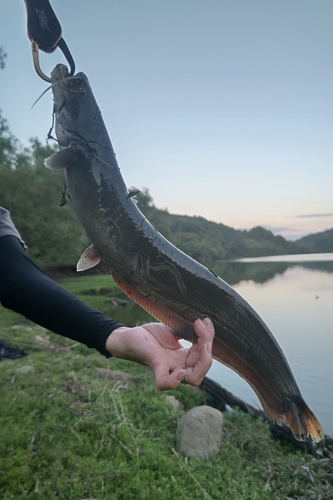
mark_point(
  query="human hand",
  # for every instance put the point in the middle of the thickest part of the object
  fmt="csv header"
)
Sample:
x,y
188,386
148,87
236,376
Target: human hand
x,y
153,344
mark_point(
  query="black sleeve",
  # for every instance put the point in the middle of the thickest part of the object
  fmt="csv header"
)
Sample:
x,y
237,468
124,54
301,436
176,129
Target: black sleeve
x,y
25,289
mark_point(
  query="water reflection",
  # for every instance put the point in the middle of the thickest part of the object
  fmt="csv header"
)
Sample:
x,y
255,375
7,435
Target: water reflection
x,y
264,269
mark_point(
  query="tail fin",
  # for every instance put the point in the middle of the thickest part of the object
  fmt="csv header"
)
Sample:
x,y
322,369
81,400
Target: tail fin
x,y
298,417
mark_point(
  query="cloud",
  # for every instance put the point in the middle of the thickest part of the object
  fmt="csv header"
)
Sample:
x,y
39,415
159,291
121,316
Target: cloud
x,y
293,233
277,229
289,233
306,216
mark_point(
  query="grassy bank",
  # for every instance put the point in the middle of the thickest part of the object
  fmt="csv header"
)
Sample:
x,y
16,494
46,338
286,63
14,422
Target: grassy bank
x,y
69,433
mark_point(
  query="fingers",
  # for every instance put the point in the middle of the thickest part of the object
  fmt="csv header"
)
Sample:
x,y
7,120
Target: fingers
x,y
200,355
166,381
167,357
196,374
204,330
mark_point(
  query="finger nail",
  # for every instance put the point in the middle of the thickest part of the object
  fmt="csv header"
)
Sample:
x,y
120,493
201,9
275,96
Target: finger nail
x,y
208,322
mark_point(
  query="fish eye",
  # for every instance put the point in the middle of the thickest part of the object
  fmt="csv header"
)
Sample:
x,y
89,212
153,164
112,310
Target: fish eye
x,y
82,90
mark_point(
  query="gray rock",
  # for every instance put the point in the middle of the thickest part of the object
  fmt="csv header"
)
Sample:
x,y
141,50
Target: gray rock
x,y
200,433
176,404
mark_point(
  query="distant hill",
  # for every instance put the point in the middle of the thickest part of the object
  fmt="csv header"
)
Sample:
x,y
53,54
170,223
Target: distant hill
x,y
206,240
319,242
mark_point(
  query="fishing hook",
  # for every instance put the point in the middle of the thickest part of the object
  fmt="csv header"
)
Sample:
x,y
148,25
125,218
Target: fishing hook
x,y
45,33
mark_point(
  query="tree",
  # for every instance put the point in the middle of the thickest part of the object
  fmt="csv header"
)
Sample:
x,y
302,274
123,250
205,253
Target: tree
x,y
8,145
3,56
143,198
32,194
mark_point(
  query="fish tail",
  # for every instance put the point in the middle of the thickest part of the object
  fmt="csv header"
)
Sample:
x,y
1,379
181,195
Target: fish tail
x,y
298,417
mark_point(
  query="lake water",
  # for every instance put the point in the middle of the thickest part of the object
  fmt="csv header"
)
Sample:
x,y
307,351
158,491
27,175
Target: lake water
x,y
294,296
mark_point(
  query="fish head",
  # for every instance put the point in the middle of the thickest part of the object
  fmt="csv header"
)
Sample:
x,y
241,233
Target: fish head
x,y
76,112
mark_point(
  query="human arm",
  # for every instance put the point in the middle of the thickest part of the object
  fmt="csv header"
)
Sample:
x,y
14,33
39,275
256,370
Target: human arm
x,y
25,289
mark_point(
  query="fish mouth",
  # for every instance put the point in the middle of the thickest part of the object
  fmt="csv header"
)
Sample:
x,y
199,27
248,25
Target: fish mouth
x,y
63,85
60,72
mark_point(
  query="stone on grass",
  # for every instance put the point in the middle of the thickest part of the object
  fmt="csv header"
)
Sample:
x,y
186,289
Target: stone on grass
x,y
176,404
200,433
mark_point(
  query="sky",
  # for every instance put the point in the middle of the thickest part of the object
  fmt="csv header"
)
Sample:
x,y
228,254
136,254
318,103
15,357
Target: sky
x,y
221,108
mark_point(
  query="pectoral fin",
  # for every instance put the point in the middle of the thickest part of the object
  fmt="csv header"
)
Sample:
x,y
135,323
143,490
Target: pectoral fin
x,y
64,158
90,258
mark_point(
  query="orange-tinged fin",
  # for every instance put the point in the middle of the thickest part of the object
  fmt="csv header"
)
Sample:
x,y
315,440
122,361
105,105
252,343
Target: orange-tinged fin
x,y
177,324
299,418
293,411
90,258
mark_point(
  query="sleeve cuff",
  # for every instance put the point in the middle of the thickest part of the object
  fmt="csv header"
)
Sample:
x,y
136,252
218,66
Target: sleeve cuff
x,y
104,334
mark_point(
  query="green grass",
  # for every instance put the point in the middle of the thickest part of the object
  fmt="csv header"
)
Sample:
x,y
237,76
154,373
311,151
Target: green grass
x,y
102,293
68,433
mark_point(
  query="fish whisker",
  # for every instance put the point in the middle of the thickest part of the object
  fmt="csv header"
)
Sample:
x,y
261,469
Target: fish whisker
x,y
46,90
52,86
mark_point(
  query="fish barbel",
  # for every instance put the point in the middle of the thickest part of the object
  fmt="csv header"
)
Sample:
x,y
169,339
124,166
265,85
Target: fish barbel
x,y
169,284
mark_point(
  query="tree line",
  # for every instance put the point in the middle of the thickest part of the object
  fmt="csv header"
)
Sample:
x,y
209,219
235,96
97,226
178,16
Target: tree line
x,y
32,193
55,238
205,240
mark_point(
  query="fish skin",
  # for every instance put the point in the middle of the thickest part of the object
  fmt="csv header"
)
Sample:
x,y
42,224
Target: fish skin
x,y
162,279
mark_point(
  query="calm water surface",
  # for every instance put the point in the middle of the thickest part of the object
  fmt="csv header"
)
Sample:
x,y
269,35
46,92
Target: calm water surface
x,y
294,296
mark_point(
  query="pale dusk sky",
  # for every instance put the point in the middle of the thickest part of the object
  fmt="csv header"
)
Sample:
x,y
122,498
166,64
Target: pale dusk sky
x,y
222,109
